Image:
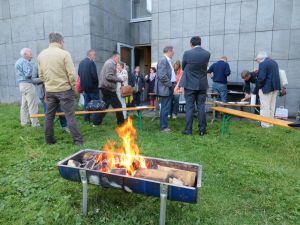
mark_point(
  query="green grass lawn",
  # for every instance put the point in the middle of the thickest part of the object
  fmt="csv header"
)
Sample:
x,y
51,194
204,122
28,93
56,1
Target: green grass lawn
x,y
251,176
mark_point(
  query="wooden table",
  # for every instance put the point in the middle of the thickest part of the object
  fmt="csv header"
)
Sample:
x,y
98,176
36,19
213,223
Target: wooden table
x,y
138,109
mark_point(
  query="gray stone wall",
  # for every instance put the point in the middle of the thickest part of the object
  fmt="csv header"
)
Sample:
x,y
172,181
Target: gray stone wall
x,y
237,29
27,23
110,24
141,33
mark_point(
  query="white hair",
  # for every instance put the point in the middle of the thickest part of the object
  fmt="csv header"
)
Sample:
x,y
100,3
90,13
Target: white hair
x,y
261,55
24,50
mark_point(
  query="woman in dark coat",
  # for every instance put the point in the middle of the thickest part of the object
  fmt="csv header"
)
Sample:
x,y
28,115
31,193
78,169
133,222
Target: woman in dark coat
x,y
151,81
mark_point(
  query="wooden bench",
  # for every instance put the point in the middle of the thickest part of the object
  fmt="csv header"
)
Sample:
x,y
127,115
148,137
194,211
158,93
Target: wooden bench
x,y
225,104
77,113
228,113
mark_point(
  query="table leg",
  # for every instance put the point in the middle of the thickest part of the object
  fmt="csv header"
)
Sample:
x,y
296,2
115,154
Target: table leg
x,y
213,112
139,117
157,110
225,123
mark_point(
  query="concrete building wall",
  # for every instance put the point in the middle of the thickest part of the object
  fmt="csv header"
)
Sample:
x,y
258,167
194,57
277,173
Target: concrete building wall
x,y
85,24
237,29
110,24
27,23
141,33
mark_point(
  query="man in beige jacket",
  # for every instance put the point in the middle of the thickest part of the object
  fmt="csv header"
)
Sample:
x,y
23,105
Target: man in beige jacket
x,y
57,71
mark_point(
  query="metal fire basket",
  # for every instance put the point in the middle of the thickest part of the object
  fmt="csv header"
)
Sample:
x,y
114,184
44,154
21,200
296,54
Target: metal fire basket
x,y
133,184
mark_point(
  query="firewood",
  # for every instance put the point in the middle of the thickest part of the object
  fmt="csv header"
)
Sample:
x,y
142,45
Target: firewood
x,y
87,156
152,174
176,181
187,177
73,163
121,171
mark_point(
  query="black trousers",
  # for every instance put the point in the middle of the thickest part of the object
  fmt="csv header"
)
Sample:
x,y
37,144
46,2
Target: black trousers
x,y
192,97
110,98
65,99
137,99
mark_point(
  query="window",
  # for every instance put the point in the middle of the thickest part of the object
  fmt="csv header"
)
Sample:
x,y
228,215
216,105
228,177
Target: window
x,y
141,10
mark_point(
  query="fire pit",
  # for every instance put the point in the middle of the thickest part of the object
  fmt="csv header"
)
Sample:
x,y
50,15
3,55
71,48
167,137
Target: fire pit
x,y
126,169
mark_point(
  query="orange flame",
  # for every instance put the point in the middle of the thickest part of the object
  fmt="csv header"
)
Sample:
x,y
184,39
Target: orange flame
x,y
130,157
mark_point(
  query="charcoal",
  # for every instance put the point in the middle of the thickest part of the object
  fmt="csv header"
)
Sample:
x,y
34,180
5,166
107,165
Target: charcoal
x,y
90,164
120,171
97,167
73,163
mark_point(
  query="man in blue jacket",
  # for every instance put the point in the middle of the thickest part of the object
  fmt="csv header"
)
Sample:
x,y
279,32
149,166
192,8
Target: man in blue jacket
x,y
268,84
220,71
29,106
195,84
87,72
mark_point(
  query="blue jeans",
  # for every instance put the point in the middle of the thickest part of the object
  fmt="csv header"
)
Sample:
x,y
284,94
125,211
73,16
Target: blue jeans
x,y
174,108
164,111
88,96
62,119
221,89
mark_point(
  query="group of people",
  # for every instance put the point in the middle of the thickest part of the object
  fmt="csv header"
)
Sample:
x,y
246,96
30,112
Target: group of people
x,y
54,75
193,83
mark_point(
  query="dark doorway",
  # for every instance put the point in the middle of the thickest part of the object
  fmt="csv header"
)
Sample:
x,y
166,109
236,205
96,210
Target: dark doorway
x,y
142,58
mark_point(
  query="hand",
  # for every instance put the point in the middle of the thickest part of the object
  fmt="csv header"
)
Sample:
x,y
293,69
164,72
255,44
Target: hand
x,y
146,77
143,89
247,96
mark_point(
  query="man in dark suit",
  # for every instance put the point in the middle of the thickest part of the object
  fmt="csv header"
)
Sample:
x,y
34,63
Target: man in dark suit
x,y
87,72
269,84
164,85
195,84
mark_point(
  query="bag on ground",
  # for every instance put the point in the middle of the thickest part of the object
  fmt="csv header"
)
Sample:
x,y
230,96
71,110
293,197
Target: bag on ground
x,y
281,113
96,105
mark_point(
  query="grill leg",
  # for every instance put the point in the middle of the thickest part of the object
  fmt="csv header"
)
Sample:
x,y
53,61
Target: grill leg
x,y
84,191
163,203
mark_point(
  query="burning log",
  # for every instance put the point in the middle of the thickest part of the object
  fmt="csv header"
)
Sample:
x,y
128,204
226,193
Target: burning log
x,y
120,171
88,156
152,174
187,177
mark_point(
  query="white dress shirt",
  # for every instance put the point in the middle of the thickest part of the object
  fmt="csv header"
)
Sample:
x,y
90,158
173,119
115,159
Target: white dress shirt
x,y
173,77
